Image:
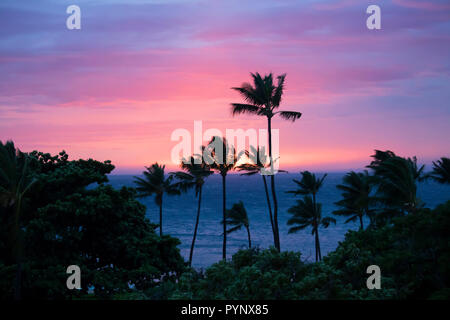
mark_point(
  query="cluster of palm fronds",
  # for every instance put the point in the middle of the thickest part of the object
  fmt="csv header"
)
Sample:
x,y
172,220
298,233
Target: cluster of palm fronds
x,y
391,190
262,98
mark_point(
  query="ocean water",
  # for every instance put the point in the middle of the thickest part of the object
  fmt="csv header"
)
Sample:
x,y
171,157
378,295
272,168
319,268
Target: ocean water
x,y
179,213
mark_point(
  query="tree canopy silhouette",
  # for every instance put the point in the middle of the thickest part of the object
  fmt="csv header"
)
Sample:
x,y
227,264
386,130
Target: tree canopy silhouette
x,y
357,199
263,98
237,218
441,171
156,183
307,212
194,175
222,157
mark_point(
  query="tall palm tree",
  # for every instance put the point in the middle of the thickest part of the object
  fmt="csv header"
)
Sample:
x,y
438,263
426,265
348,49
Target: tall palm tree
x,y
193,176
155,183
15,182
223,159
396,179
307,213
309,185
357,199
258,163
441,171
263,98
237,218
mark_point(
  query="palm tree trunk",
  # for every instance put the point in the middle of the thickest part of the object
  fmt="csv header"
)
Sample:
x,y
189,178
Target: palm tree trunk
x,y
272,185
196,226
319,254
315,247
275,213
249,238
160,217
224,209
270,209
316,226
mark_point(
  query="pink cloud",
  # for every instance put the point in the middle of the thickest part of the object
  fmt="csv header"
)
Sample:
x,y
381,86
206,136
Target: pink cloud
x,y
117,93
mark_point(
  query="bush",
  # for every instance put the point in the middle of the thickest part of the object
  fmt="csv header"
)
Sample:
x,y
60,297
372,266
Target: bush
x,y
412,252
251,274
72,218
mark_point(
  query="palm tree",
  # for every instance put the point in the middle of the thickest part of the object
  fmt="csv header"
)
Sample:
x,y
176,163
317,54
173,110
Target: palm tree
x,y
237,218
309,186
357,199
263,98
258,163
155,183
222,158
307,213
193,176
379,157
441,171
15,182
396,179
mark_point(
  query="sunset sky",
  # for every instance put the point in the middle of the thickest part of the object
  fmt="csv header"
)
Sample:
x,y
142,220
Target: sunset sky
x,y
139,69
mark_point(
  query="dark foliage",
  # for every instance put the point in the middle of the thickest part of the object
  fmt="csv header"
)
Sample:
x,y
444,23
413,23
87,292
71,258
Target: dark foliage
x,y
102,230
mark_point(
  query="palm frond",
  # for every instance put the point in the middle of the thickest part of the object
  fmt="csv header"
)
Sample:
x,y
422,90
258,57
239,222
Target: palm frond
x,y
239,108
441,171
327,221
290,115
278,92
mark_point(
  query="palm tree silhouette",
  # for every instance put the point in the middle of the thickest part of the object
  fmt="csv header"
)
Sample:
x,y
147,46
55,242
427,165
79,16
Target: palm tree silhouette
x,y
222,158
309,185
396,180
237,218
263,98
15,182
155,183
258,163
379,157
194,175
307,213
357,199
441,171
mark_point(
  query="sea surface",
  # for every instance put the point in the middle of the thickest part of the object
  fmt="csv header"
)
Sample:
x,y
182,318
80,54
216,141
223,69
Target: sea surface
x,y
179,213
